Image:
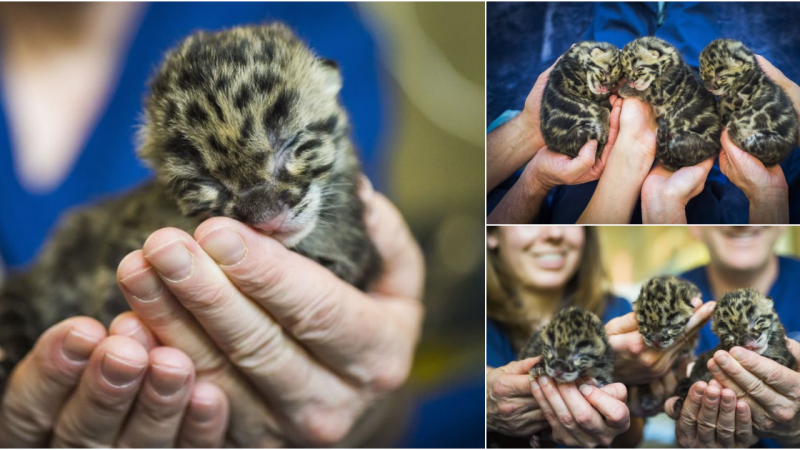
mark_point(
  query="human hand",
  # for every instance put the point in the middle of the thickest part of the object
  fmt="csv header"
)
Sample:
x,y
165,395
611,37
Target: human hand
x,y
711,417
272,327
771,390
510,406
588,417
659,390
790,87
666,193
764,187
634,362
79,387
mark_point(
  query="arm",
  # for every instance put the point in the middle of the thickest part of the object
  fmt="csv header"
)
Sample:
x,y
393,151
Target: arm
x,y
513,144
628,165
665,193
510,406
765,188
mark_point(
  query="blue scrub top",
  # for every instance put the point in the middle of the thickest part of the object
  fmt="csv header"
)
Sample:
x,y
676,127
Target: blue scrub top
x,y
500,352
784,293
108,164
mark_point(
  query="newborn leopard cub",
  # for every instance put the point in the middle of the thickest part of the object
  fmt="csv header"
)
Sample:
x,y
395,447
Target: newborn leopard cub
x,y
758,113
573,345
662,310
688,125
244,123
575,107
743,318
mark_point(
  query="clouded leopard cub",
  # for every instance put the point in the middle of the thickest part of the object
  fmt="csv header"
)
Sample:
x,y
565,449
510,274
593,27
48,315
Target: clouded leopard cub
x,y
688,125
743,318
575,107
758,113
244,123
663,309
572,345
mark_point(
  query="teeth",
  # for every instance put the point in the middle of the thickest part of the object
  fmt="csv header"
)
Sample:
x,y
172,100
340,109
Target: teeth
x,y
550,257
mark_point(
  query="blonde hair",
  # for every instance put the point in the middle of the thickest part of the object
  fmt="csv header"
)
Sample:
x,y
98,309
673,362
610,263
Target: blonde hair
x,y
587,288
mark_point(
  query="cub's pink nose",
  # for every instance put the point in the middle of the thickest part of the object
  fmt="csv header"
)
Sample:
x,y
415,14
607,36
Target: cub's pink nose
x,y
273,224
631,83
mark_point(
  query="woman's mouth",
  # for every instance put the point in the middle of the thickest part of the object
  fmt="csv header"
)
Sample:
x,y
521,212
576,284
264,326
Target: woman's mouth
x,y
553,260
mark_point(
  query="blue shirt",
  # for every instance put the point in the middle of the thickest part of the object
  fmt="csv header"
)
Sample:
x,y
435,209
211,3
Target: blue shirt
x,y
500,352
108,165
784,294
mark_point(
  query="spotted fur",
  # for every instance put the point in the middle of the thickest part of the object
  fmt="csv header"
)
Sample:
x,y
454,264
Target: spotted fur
x,y
574,342
688,126
663,309
244,123
760,117
744,317
575,107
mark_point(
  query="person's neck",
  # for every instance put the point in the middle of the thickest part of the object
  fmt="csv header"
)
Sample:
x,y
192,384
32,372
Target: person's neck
x,y
724,279
540,305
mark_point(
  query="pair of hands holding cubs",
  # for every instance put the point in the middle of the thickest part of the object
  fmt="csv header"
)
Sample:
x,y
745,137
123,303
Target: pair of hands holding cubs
x,y
232,339
627,161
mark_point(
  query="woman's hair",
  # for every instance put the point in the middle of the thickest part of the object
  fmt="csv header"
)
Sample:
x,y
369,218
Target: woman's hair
x,y
587,288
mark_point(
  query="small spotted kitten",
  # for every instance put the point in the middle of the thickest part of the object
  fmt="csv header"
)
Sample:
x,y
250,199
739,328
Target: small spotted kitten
x,y
758,113
244,123
573,345
688,125
663,309
575,107
743,318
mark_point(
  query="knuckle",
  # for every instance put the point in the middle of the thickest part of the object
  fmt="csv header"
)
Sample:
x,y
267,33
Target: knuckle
x,y
619,415
207,298
324,429
315,321
507,409
784,414
502,388
767,424
263,351
550,416
567,420
606,440
583,418
725,430
773,376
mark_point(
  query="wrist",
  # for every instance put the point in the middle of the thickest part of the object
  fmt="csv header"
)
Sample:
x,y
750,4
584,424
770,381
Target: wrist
x,y
527,126
662,206
638,155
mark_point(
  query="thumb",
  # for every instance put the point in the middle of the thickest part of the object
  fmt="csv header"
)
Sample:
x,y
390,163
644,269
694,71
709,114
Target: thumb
x,y
521,367
622,325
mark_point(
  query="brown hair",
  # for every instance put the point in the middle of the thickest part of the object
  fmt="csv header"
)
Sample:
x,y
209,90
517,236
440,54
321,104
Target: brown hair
x,y
587,288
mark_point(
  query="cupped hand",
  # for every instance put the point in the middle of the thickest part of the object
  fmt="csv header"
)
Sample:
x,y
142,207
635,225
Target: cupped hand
x,y
634,362
660,389
746,171
79,387
585,416
510,406
666,193
790,87
711,417
301,354
637,123
771,390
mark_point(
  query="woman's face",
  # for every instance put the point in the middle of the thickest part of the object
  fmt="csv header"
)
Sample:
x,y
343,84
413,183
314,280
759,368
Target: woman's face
x,y
545,257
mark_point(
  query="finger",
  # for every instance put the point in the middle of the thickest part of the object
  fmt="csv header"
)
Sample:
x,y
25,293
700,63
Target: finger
x,y
328,316
669,408
555,419
206,418
586,418
42,381
794,348
714,383
726,420
585,159
744,425
516,382
174,326
773,72
96,411
755,387
281,369
157,415
128,324
759,414
783,380
622,325
698,320
697,301
614,411
686,425
707,418
616,390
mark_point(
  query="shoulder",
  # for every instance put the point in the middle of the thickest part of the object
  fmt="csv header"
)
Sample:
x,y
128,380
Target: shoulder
x,y
499,350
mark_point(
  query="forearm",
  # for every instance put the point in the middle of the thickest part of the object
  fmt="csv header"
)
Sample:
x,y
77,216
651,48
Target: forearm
x,y
619,186
520,205
509,147
770,206
657,208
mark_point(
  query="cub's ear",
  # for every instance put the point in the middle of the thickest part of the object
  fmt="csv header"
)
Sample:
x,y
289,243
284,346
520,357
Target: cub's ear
x,y
332,78
769,302
655,53
596,52
738,62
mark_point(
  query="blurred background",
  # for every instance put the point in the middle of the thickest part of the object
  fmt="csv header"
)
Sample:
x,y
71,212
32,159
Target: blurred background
x,y
631,255
521,36
413,84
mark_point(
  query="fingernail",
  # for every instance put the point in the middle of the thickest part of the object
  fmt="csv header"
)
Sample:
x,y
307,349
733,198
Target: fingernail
x,y
543,380
145,285
224,245
534,385
712,394
699,391
737,353
167,381
119,372
77,347
585,389
722,360
172,260
714,368
727,400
